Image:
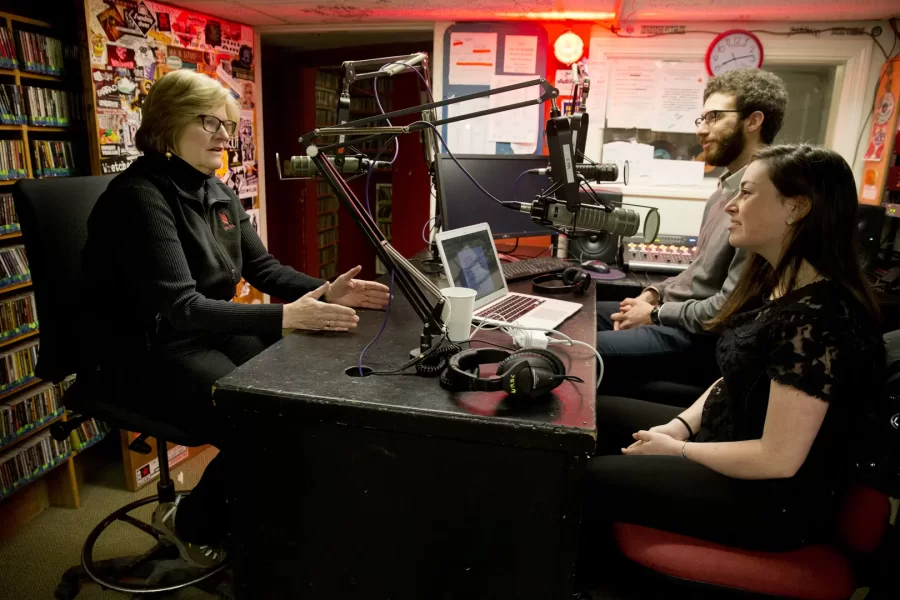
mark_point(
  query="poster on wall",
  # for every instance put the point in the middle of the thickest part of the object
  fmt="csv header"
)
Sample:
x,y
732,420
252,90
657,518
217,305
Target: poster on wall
x,y
133,44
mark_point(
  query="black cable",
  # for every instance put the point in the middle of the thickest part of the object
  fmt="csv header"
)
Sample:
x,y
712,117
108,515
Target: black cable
x,y
432,261
461,168
513,249
470,342
429,363
584,156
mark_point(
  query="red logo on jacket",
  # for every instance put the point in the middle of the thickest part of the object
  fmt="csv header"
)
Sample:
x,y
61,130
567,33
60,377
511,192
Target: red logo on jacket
x,y
226,225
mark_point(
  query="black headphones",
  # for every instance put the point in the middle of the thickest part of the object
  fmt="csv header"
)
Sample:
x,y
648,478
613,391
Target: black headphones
x,y
522,374
574,280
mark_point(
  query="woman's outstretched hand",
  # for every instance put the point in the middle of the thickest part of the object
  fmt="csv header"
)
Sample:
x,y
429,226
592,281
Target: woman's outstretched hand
x,y
311,314
357,293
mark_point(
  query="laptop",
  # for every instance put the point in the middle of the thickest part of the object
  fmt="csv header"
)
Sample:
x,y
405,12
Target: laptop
x,y
470,260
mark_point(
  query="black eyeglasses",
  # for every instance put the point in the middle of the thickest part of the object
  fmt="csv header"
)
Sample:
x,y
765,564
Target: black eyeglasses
x,y
212,124
711,117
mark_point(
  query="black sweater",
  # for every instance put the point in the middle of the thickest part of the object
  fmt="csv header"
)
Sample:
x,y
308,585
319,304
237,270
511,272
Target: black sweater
x,y
171,243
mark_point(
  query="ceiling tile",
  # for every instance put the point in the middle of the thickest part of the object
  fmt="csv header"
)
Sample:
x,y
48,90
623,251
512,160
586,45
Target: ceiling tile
x,y
230,10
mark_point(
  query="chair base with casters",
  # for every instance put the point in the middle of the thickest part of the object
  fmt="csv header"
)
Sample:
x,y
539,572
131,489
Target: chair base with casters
x,y
131,574
815,572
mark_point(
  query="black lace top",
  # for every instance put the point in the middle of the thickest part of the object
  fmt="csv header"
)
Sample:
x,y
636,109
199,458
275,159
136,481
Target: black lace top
x,y
818,339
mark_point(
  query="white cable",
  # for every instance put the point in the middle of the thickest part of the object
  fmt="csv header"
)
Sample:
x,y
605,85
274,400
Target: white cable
x,y
424,227
566,341
571,342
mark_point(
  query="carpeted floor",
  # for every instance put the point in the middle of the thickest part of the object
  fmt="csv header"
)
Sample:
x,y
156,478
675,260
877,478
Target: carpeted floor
x,y
33,560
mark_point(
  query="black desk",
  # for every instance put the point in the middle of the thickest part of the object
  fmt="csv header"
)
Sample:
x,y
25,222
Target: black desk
x,y
629,287
391,487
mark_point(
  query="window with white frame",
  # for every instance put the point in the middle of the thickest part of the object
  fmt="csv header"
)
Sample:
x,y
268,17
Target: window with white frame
x,y
826,78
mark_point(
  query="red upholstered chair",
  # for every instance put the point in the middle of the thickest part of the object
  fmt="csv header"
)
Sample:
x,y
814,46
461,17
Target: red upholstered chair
x,y
818,572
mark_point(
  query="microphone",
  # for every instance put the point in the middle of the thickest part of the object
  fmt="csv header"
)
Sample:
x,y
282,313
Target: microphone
x,y
401,65
302,167
600,172
590,218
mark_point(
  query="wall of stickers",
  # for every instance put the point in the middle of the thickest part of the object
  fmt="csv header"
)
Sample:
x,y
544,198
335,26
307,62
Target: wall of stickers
x,y
132,44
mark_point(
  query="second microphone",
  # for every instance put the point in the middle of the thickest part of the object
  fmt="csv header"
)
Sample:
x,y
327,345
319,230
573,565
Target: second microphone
x,y
302,167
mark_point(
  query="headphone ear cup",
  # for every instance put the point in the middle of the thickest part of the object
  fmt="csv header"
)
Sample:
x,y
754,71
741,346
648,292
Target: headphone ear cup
x,y
577,277
570,275
555,363
544,370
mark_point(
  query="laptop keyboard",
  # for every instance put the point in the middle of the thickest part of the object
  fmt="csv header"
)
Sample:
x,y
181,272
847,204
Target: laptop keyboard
x,y
510,308
532,267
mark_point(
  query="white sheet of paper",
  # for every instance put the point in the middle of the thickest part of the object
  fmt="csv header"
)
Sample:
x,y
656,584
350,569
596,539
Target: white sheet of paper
x,y
473,58
563,82
639,157
598,94
520,54
679,96
520,125
632,94
470,136
676,172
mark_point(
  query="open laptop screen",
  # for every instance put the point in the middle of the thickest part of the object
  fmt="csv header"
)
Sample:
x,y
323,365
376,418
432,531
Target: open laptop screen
x,y
473,264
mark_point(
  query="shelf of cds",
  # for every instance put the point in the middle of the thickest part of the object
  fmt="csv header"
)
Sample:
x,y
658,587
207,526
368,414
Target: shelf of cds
x,y
42,127
37,97
383,216
39,107
30,460
29,412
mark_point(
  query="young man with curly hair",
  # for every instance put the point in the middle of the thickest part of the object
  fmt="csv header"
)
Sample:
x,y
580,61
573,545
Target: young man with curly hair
x,y
659,335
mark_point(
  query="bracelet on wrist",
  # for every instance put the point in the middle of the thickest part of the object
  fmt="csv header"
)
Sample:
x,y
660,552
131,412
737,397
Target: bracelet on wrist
x,y
683,455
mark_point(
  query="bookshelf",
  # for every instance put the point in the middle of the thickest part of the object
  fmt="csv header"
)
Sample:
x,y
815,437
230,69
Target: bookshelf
x,y
327,204
383,216
42,116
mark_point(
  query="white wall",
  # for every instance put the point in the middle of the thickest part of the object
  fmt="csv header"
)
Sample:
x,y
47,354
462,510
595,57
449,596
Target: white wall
x,y
681,209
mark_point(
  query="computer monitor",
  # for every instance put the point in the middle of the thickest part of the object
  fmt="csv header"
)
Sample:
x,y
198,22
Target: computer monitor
x,y
463,204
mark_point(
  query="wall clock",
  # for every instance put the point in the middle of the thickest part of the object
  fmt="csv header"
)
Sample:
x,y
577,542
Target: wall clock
x,y
734,49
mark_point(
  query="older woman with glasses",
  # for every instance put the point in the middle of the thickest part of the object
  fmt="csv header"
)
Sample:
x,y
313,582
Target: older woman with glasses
x,y
170,242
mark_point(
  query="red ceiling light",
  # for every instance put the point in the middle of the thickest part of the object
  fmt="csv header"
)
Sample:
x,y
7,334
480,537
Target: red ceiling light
x,y
568,48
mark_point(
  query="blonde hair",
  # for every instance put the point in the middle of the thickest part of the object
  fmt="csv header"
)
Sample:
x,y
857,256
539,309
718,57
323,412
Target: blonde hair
x,y
176,100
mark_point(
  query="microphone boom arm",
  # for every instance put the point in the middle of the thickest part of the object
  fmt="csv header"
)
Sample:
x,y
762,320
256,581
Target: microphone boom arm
x,y
430,315
358,126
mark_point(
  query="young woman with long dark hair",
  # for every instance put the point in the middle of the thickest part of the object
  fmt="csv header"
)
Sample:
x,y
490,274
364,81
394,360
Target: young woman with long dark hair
x,y
760,459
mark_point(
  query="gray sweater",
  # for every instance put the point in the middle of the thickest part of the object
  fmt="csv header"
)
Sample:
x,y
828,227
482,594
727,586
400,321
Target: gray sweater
x,y
698,293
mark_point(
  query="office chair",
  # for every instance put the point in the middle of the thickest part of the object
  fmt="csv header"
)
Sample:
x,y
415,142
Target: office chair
x,y
53,214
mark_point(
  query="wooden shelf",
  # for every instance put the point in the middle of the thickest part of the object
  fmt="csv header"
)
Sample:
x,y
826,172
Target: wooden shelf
x,y
30,384
328,262
28,434
12,17
17,286
11,235
19,338
328,245
35,128
29,75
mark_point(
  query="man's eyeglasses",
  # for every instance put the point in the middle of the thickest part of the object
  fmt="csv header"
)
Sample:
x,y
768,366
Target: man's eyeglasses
x,y
711,117
212,124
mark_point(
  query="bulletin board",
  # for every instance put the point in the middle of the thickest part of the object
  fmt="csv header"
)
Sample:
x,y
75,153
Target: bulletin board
x,y
132,44
510,51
